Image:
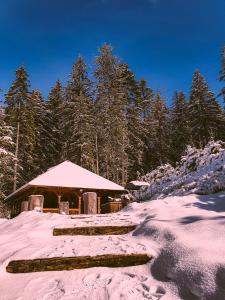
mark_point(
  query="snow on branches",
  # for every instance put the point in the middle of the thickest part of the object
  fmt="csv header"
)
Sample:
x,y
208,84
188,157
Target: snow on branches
x,y
200,171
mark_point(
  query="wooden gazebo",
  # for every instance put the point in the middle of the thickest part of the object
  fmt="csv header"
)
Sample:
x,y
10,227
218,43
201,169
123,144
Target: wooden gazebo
x,y
65,182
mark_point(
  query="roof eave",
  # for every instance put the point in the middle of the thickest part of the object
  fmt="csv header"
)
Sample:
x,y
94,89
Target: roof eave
x,y
27,186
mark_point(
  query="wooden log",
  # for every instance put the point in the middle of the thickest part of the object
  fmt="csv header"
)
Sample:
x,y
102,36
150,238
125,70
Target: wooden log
x,y
78,262
95,230
90,203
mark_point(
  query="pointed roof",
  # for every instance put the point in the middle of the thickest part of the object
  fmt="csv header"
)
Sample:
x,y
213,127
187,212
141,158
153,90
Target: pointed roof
x,y
70,175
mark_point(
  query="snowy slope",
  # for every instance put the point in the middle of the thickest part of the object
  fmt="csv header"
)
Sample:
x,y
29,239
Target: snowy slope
x,y
200,171
185,234
30,236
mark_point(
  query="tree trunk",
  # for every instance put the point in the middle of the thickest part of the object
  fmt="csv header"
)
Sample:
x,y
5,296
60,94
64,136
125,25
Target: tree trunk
x,y
96,149
17,151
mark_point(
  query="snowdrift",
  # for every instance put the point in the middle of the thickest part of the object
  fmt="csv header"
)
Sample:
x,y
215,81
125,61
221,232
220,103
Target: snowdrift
x,y
189,231
200,171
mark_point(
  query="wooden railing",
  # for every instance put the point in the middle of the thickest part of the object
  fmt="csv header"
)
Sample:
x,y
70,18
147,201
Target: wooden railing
x,y
72,211
50,210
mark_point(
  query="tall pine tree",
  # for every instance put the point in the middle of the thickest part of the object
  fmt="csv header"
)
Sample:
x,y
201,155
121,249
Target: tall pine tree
x,y
158,137
7,160
43,149
20,115
179,129
112,96
77,118
222,74
105,69
55,118
139,108
206,117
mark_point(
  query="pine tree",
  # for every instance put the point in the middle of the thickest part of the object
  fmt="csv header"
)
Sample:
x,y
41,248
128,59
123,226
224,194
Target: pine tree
x,y
119,127
139,108
112,96
206,117
178,126
145,98
7,160
105,69
20,116
55,121
77,121
43,149
222,74
158,138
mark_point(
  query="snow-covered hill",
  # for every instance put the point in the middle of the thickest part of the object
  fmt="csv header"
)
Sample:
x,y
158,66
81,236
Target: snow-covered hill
x,y
200,171
185,235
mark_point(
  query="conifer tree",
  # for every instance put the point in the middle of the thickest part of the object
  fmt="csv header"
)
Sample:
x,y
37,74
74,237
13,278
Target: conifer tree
x,y
55,121
119,127
43,149
179,134
7,160
158,138
112,96
139,107
206,117
20,116
145,98
222,74
77,122
105,70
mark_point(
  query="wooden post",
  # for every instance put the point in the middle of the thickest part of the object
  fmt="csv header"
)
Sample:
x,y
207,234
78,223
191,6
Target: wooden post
x,y
90,203
64,208
79,203
35,202
24,206
59,199
99,203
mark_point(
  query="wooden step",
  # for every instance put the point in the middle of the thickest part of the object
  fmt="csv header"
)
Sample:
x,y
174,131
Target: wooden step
x,y
94,230
78,262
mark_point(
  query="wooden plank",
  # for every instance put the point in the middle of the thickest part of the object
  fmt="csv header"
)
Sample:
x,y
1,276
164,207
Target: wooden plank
x,y
78,262
94,230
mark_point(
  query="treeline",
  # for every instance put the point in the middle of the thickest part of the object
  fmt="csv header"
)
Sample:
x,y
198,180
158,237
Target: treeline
x,y
116,125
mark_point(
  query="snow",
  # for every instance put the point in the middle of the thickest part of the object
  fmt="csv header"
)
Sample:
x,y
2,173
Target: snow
x,y
139,183
68,174
136,185
184,234
200,171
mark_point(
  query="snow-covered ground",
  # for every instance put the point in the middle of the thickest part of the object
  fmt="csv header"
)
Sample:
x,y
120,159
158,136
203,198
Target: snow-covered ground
x,y
185,235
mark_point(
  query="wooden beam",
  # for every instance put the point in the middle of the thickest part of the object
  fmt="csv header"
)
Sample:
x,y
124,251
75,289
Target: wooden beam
x,y
95,230
77,262
59,198
79,203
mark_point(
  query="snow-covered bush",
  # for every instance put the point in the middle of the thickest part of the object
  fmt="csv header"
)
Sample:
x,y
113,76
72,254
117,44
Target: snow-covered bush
x,y
200,171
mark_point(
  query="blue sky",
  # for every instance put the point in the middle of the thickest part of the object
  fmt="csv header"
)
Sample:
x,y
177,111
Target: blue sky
x,y
163,41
